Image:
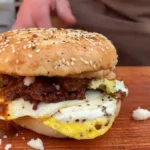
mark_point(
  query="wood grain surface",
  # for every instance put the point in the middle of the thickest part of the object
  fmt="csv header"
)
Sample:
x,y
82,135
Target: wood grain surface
x,y
126,134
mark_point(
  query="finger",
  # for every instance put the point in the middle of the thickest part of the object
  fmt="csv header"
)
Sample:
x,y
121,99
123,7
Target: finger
x,y
19,25
64,12
16,26
42,17
24,19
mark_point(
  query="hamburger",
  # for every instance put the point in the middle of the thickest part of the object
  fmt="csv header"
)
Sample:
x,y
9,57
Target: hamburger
x,y
59,82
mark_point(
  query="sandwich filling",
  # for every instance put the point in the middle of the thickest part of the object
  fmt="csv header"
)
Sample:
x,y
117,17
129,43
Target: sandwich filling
x,y
56,89
76,108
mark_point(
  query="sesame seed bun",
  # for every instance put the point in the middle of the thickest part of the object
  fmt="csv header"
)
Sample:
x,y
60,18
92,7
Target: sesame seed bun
x,y
38,127
55,52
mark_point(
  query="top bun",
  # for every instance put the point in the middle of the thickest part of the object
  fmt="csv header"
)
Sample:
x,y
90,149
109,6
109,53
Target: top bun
x,y
54,52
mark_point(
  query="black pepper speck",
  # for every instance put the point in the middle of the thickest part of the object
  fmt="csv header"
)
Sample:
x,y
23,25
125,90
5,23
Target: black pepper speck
x,y
83,120
107,123
103,108
34,36
98,126
33,47
77,120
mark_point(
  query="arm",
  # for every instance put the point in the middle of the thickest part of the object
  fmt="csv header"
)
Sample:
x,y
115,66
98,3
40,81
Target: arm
x,y
37,13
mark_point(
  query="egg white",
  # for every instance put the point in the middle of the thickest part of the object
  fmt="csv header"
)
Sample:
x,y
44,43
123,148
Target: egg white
x,y
66,111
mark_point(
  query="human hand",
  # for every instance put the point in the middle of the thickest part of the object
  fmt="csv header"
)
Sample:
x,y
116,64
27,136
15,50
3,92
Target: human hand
x,y
38,13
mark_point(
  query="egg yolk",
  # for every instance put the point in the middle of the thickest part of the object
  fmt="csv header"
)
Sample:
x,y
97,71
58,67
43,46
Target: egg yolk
x,y
81,130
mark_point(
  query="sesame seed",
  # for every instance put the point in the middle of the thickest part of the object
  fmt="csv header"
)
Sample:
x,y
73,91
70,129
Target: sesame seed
x,y
103,37
91,63
37,50
105,52
94,66
33,44
37,43
63,60
91,49
102,49
7,41
0,51
24,47
86,62
55,67
93,44
29,45
18,42
81,59
6,60
67,62
72,63
3,49
73,59
13,51
6,45
17,61
30,55
99,43
110,43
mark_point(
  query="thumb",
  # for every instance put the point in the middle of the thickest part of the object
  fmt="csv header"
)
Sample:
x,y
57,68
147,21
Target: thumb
x,y
64,12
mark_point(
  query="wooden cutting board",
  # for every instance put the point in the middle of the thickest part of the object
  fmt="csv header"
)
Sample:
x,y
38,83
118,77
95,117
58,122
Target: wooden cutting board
x,y
126,134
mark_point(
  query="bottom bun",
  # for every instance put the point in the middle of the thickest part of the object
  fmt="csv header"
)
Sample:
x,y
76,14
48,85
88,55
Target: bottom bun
x,y
38,127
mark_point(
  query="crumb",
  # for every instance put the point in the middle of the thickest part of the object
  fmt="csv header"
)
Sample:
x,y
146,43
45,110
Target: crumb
x,y
5,136
140,114
8,146
37,144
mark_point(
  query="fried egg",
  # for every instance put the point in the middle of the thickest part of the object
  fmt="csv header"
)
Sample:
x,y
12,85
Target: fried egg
x,y
79,119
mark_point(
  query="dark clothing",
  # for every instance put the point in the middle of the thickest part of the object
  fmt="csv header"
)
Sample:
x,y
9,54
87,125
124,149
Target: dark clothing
x,y
125,22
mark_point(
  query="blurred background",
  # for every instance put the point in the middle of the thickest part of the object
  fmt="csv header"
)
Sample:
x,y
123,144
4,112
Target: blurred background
x,y
125,22
8,9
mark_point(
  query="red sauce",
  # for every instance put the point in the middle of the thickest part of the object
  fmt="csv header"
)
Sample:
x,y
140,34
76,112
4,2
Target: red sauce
x,y
3,110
